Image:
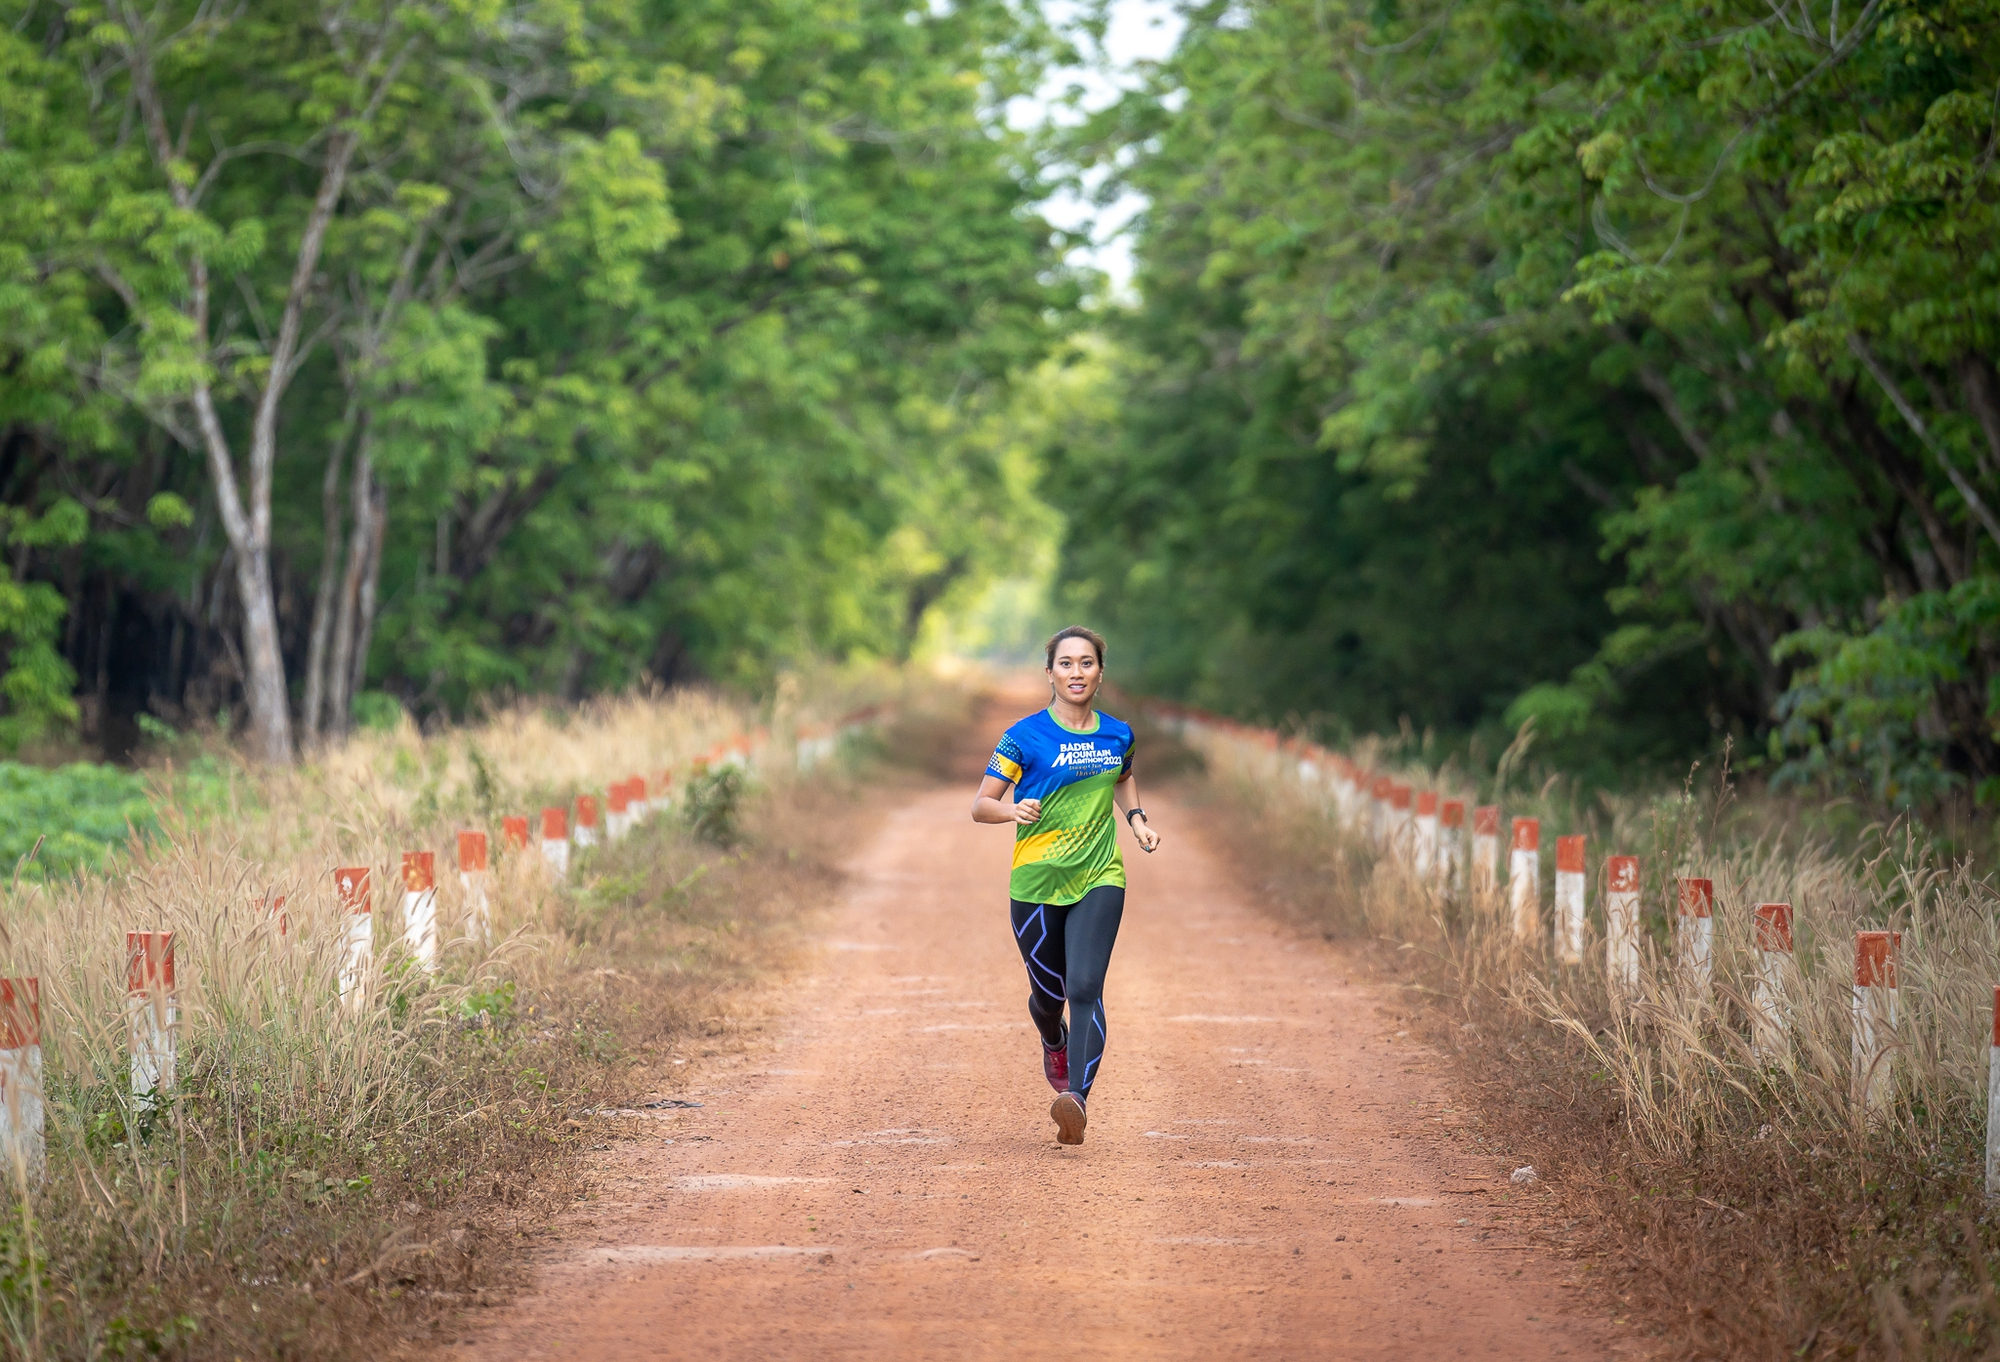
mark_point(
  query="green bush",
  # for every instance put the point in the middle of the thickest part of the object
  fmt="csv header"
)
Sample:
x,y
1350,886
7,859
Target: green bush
x,y
81,813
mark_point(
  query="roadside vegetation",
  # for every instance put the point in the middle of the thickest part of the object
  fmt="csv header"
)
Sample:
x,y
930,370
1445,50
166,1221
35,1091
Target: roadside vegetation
x,y
1740,1207
326,1176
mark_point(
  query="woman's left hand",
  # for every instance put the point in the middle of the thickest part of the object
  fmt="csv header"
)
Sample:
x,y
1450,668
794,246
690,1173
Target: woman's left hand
x,y
1148,839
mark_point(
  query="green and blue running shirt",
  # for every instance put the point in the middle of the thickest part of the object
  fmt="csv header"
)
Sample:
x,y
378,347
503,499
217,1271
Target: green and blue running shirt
x,y
1073,847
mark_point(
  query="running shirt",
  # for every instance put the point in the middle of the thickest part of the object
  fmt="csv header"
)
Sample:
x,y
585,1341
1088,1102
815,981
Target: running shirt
x,y
1073,847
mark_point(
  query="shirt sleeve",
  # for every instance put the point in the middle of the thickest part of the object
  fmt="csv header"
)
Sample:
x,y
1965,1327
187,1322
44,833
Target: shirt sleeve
x,y
1131,745
1008,760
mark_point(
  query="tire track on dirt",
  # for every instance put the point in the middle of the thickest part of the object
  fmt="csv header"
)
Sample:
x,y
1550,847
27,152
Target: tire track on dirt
x,y
1271,1170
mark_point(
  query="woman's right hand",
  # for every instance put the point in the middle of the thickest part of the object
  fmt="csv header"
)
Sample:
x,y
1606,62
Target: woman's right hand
x,y
1027,810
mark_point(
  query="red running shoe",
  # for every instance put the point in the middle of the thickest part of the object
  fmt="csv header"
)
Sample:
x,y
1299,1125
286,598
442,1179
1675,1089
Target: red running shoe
x,y
1055,1065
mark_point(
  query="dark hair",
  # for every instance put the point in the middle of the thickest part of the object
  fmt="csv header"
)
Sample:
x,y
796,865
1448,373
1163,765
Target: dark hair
x,y
1091,636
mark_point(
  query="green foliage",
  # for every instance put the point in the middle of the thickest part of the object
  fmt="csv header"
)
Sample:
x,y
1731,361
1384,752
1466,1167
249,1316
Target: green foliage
x,y
36,682
670,337
1560,362
712,802
80,814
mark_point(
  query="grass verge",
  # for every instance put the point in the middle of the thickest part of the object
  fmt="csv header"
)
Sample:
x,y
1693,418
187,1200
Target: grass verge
x,y
326,1175
1736,1206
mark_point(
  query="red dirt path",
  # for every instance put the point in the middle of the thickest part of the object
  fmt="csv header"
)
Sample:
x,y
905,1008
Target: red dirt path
x,y
1271,1169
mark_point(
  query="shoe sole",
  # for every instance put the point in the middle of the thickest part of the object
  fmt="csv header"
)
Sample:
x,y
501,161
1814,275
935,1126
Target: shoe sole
x,y
1068,1115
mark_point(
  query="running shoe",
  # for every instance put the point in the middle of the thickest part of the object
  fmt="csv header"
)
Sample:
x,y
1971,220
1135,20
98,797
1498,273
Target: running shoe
x,y
1067,1112
1055,1065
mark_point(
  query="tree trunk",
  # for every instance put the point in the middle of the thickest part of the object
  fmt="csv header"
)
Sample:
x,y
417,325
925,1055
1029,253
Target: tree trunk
x,y
340,667
248,523
378,529
329,577
1975,375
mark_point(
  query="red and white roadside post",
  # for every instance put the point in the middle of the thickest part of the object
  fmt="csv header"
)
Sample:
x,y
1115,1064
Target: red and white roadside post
x,y
1401,797
1307,757
1524,878
807,740
1621,926
637,808
1348,796
1378,821
420,907
21,1142
1569,899
617,811
356,901
663,793
1424,847
1875,1018
1695,936
1993,1107
586,821
1770,999
151,1011
555,841
472,879
1486,851
514,832
1451,844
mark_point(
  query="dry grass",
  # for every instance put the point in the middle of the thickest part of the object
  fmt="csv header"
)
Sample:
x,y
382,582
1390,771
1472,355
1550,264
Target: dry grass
x,y
327,1176
1745,1208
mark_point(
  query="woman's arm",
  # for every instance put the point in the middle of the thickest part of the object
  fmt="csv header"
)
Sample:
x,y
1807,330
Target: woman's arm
x,y
1125,794
987,808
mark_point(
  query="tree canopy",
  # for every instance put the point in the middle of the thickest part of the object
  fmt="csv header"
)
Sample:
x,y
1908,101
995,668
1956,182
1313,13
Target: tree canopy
x,y
1624,366
453,348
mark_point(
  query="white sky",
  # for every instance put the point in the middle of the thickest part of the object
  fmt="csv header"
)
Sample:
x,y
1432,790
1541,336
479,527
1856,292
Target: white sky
x,y
1140,30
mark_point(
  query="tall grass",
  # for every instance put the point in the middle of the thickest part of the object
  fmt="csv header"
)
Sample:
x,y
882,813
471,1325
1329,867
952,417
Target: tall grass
x,y
318,1155
1868,1225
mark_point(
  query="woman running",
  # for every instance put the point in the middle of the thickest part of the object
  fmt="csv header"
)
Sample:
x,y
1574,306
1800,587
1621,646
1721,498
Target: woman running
x,y
1068,765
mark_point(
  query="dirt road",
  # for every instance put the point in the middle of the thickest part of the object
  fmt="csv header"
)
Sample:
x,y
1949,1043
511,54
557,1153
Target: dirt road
x,y
1271,1170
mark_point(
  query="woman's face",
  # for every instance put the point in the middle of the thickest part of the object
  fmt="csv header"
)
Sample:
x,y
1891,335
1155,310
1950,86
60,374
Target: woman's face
x,y
1075,673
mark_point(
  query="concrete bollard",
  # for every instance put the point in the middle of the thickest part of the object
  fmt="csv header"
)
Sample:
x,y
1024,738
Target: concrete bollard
x,y
21,1140
617,811
1400,831
1569,899
1993,1107
555,841
1424,843
663,793
1621,926
420,907
1695,937
1451,845
1524,878
472,879
151,1011
1353,798
1770,998
356,900
1875,1018
586,821
1486,851
1308,766
514,832
1378,809
637,809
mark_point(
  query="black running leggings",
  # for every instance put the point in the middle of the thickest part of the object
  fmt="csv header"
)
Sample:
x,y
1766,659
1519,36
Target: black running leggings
x,y
1067,947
